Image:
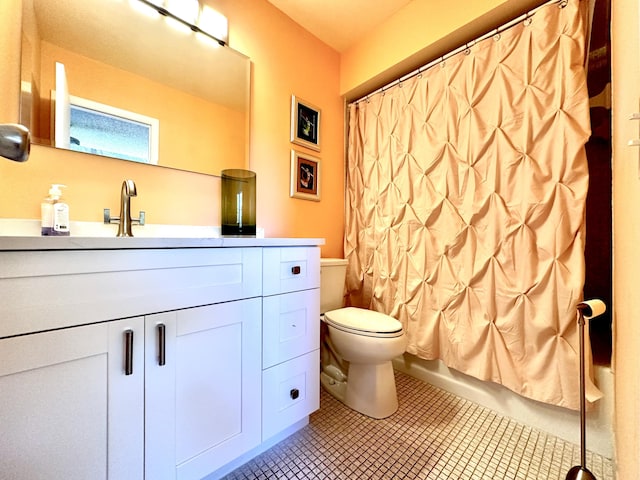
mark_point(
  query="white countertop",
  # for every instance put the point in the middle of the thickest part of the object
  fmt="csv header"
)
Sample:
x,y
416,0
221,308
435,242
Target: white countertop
x,y
23,235
8,243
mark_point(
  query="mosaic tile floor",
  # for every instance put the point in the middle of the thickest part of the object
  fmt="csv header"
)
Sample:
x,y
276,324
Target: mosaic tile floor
x,y
434,435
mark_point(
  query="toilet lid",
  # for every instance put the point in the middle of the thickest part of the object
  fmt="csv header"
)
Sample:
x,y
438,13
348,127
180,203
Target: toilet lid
x,y
362,320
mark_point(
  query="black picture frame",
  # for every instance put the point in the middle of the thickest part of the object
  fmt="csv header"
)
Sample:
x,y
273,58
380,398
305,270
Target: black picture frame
x,y
305,123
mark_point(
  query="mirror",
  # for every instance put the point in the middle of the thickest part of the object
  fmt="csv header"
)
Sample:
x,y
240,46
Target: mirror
x,y
135,66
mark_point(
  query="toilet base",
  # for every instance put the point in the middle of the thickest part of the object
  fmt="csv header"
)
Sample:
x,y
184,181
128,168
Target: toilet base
x,y
371,389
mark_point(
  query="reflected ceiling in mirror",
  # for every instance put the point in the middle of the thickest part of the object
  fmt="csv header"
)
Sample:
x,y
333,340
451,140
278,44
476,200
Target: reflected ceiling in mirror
x,y
117,56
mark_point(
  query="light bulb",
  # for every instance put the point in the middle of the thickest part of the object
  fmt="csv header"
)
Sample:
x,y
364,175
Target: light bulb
x,y
214,23
187,10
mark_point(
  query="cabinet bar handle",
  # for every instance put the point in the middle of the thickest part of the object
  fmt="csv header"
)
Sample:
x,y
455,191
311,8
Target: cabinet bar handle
x,y
162,347
128,352
296,270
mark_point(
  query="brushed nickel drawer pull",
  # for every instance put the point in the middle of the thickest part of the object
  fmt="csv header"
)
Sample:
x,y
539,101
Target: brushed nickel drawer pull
x,y
162,345
128,352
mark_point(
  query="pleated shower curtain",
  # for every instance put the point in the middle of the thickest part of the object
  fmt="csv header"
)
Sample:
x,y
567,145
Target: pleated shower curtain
x,y
466,189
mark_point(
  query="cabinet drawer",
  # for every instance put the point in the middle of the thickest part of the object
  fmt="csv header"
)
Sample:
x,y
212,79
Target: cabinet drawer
x,y
290,326
55,289
289,269
290,392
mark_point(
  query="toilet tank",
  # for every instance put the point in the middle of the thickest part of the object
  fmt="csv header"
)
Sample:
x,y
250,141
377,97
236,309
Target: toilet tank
x,y
332,275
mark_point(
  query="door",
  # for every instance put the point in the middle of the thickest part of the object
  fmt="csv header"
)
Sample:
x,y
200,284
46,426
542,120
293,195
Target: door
x,y
68,409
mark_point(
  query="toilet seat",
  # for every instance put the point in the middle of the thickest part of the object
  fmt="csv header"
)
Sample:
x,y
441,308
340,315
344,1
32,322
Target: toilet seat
x,y
360,321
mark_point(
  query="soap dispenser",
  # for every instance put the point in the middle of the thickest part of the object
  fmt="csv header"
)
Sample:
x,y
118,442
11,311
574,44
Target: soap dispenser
x,y
55,213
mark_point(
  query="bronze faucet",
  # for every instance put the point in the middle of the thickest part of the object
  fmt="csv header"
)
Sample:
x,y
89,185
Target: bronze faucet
x,y
124,220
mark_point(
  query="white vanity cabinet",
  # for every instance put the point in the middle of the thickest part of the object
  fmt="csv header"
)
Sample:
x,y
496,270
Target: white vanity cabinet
x,y
291,337
147,363
68,409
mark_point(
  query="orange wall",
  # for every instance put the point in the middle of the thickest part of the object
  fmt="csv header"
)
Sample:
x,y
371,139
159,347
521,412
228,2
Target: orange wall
x,y
288,60
285,59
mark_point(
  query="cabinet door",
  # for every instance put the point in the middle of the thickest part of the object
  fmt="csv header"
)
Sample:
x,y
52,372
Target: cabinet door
x,y
67,408
203,405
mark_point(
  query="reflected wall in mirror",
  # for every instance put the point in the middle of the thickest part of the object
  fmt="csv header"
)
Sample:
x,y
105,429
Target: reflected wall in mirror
x,y
117,57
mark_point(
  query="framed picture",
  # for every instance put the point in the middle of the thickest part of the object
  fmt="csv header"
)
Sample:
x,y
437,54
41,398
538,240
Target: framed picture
x,y
305,124
305,176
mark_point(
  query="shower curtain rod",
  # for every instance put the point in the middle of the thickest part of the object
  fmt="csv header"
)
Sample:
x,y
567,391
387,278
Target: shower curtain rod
x,y
464,47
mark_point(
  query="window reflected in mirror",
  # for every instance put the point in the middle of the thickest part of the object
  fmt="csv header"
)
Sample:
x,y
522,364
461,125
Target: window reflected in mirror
x,y
113,133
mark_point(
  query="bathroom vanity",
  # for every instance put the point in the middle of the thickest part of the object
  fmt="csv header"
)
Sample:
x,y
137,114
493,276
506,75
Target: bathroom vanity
x,y
132,358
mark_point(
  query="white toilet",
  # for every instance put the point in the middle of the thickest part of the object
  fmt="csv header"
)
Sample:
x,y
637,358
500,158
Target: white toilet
x,y
357,348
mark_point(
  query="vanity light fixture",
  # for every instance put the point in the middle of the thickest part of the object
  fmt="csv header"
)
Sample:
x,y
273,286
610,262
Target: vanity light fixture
x,y
213,21
148,9
186,10
188,13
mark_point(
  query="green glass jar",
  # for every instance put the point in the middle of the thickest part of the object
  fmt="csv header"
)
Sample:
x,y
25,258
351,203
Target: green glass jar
x,y
238,203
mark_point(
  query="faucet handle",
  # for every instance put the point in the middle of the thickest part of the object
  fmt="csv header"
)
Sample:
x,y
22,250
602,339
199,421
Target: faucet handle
x,y
108,218
141,218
